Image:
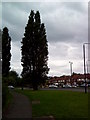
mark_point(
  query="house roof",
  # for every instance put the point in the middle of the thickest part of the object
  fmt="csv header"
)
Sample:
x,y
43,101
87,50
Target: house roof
x,y
74,77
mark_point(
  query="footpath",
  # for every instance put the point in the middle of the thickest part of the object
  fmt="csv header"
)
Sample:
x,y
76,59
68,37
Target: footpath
x,y
20,108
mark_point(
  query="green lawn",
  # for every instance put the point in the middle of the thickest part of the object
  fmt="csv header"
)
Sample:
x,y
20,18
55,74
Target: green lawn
x,y
60,104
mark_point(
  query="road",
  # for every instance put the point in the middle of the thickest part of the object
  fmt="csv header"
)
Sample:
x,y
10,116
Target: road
x,y
68,89
78,89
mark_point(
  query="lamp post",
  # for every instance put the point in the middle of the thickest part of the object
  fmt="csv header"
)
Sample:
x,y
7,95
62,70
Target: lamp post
x,y
71,66
71,70
85,66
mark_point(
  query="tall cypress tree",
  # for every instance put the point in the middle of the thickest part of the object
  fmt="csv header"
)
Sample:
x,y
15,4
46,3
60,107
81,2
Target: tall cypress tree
x,y
6,55
27,48
34,51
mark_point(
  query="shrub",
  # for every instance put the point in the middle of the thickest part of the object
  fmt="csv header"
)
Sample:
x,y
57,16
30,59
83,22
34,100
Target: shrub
x,y
5,93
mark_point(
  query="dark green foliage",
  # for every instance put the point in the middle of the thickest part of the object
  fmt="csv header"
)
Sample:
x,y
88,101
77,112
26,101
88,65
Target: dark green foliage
x,y
6,55
4,94
19,82
13,78
34,51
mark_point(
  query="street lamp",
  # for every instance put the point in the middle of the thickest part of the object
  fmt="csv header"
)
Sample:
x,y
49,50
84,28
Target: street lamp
x,y
85,65
71,69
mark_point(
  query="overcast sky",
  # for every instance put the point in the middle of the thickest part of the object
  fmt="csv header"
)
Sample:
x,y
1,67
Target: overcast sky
x,y
66,26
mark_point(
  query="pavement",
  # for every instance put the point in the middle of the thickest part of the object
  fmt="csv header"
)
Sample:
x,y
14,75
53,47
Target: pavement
x,y
20,108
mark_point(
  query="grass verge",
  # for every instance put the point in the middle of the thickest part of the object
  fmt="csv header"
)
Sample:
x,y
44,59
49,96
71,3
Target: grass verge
x,y
60,104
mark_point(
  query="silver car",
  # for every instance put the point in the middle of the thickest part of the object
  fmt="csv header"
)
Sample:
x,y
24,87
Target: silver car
x,y
10,87
53,86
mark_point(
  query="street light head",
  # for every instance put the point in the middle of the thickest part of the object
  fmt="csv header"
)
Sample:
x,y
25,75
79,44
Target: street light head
x,y
86,43
70,62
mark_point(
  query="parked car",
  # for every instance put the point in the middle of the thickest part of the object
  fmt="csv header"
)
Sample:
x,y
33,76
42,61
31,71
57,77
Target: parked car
x,y
83,85
63,86
56,84
67,86
89,85
74,86
11,87
53,86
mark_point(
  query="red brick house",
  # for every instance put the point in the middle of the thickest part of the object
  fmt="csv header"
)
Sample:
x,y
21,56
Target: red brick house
x,y
74,79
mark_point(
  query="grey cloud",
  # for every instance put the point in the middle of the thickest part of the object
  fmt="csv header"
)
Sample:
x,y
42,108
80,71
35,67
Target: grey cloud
x,y
12,15
15,32
65,69
43,7
66,29
65,51
76,6
59,22
58,51
26,6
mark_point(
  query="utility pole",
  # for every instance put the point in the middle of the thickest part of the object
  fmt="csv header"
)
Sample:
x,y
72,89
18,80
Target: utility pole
x,y
87,64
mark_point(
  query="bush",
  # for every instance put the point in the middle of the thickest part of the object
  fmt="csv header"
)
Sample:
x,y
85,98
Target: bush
x,y
5,93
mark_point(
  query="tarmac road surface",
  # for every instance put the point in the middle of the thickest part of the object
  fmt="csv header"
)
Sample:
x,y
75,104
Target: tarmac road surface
x,y
68,89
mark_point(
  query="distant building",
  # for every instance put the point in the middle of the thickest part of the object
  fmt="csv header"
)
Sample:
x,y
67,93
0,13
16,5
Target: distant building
x,y
72,80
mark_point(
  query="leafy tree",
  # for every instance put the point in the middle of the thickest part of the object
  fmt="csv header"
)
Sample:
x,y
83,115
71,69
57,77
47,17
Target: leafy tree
x,y
6,55
13,78
13,73
35,51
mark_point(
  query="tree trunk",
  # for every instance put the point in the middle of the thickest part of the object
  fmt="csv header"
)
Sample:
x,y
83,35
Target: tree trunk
x,y
35,86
